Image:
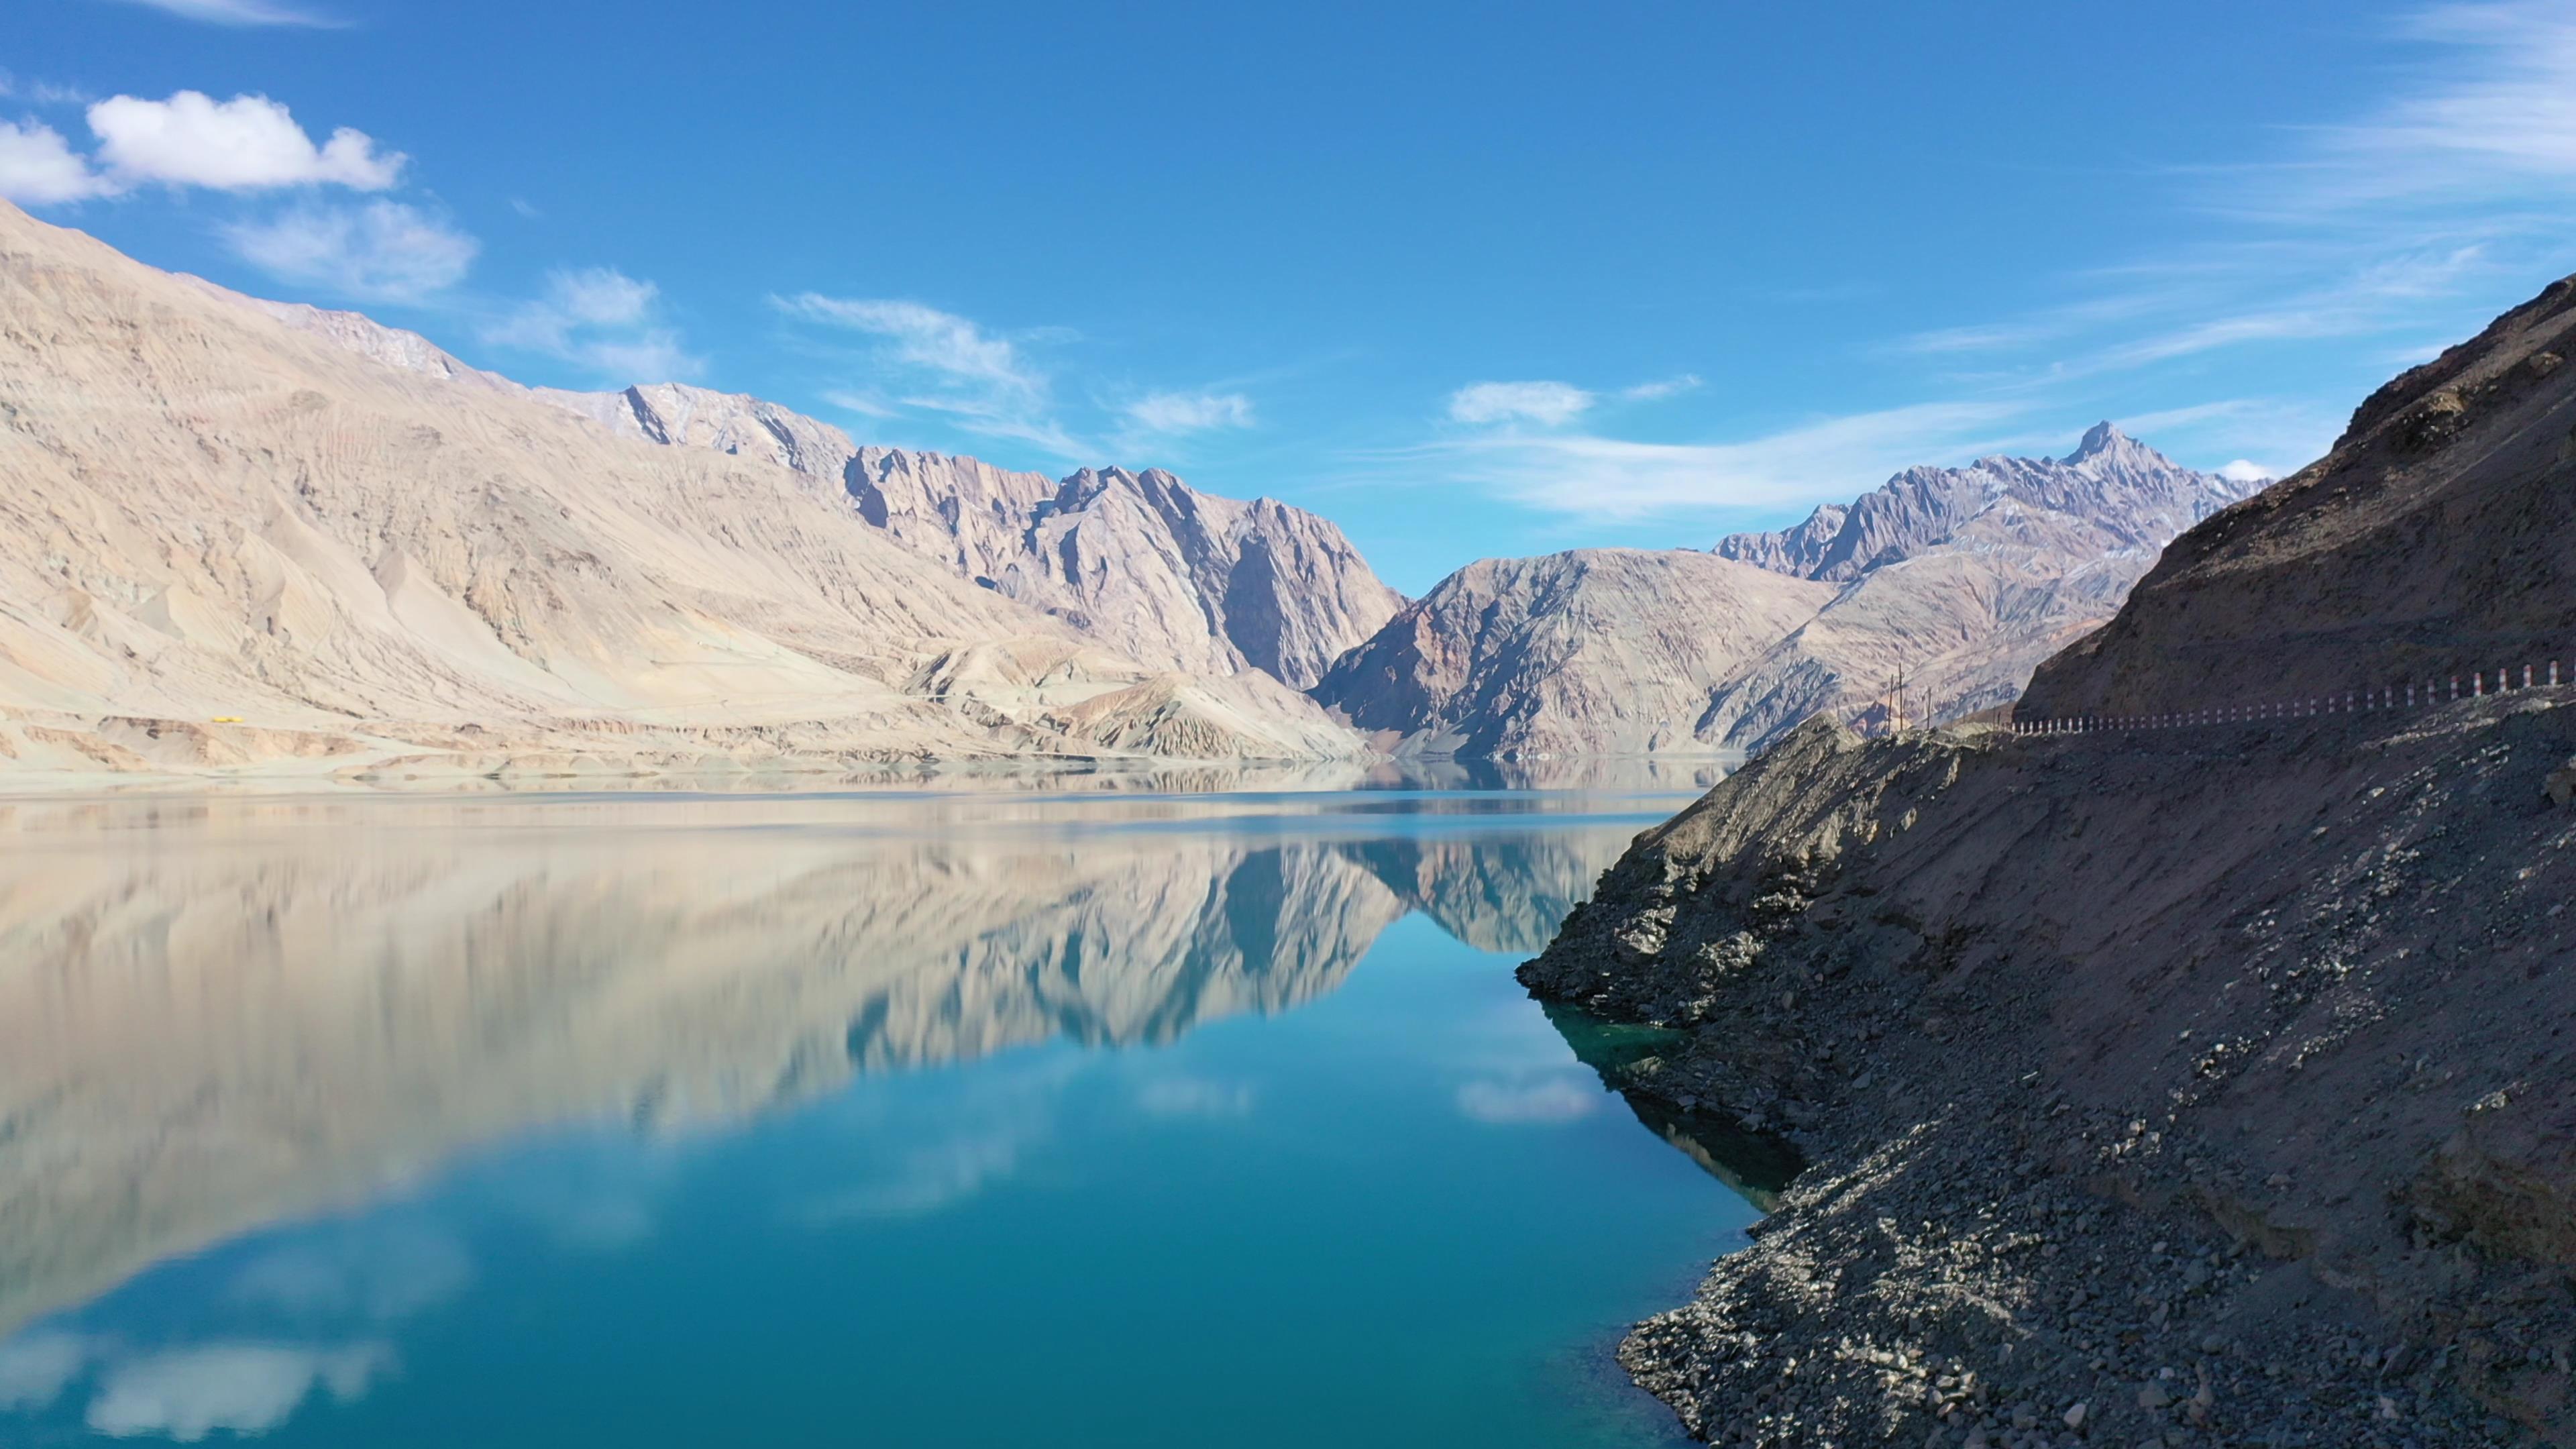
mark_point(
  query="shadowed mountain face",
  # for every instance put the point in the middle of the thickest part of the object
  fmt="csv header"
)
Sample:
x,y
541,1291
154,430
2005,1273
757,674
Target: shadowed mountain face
x,y
2430,542
257,1017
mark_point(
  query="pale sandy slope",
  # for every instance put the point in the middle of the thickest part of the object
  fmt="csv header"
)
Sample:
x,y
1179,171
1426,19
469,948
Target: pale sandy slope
x,y
212,514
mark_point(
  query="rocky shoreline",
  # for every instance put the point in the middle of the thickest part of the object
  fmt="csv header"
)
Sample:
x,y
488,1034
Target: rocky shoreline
x,y
2171,1090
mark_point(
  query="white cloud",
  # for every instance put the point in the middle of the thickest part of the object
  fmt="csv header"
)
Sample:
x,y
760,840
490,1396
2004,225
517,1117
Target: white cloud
x,y
2245,470
248,1388
1195,1097
1544,1100
38,167
42,93
238,12
927,1180
248,143
937,342
1190,412
35,1368
1662,388
934,361
603,319
1548,403
384,1273
383,251
1611,478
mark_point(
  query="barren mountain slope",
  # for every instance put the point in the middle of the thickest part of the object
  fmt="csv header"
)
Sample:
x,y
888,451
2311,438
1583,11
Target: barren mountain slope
x,y
216,514
1963,579
2428,543
2112,496
1144,563
2209,1084
1596,651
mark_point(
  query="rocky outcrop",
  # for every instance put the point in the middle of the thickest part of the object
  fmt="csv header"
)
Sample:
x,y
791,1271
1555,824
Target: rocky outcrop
x,y
230,526
2177,1085
1958,580
2428,543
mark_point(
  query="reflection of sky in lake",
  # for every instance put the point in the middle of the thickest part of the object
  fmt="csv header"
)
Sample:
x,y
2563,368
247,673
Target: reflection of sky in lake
x,y
360,1124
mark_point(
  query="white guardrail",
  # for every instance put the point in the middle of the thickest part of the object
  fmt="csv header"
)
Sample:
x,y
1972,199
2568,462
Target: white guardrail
x,y
2410,695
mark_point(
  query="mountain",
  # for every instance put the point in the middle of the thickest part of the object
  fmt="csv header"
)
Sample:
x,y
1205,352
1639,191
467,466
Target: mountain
x,y
243,534
1594,651
1154,569
2112,497
2419,548
1962,578
2233,1050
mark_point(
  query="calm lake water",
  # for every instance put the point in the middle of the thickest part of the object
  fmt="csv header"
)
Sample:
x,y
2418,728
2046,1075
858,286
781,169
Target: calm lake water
x,y
1106,1119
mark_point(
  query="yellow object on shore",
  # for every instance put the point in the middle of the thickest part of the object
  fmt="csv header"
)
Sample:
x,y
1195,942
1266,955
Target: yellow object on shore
x,y
225,719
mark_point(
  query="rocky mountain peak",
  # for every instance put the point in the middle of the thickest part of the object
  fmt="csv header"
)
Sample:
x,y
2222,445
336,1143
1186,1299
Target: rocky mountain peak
x,y
2113,493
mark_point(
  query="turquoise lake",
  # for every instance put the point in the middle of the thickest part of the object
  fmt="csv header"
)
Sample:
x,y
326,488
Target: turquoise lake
x,y
1100,1118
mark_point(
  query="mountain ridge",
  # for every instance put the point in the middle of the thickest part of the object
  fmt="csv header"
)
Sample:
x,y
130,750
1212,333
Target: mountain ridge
x,y
231,542
1153,567
1961,578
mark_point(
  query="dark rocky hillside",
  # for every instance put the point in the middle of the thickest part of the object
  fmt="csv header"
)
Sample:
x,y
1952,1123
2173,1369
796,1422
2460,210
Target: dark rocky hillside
x,y
2205,1086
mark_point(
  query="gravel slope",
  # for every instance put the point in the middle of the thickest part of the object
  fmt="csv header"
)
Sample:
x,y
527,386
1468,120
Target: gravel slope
x,y
2213,1081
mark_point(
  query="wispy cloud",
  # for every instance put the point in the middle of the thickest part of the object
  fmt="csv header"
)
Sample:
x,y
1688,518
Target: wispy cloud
x,y
36,1367
384,251
41,93
1617,479
239,12
1540,1101
601,318
2493,114
927,360
1548,403
247,1388
1174,413
1662,388
1201,1097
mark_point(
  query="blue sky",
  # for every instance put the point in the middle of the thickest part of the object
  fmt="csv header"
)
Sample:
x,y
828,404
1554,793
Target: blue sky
x,y
1470,279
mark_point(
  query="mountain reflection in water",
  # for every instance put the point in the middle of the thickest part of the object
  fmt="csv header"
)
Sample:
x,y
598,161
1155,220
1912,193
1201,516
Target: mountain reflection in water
x,y
215,1013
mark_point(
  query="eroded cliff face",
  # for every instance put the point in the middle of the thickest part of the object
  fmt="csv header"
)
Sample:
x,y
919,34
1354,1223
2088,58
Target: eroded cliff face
x,y
1146,565
2430,542
244,535
1138,562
